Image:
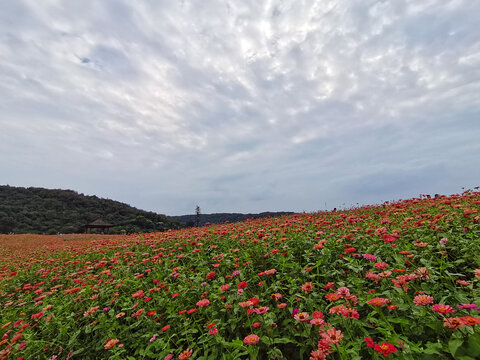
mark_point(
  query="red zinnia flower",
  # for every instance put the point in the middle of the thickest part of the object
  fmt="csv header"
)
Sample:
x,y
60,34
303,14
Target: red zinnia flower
x,y
369,342
242,285
385,348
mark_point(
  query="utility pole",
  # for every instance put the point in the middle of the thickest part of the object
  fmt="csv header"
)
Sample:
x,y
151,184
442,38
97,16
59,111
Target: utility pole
x,y
197,215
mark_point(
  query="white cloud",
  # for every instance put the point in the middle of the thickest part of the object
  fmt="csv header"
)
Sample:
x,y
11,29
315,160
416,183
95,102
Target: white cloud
x,y
240,106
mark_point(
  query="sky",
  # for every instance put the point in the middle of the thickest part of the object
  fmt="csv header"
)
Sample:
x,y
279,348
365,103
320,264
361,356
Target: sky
x,y
241,106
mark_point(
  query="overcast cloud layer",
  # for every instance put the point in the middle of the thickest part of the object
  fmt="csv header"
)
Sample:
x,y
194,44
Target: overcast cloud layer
x,y
241,106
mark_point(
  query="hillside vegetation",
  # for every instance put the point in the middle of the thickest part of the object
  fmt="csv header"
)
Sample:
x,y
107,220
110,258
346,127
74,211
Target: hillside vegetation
x,y
220,218
399,280
38,210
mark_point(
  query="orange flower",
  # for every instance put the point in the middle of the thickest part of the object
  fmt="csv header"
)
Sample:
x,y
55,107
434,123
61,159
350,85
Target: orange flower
x,y
111,343
185,354
139,294
307,287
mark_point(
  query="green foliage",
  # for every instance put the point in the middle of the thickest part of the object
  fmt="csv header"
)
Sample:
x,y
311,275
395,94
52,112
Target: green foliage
x,y
39,210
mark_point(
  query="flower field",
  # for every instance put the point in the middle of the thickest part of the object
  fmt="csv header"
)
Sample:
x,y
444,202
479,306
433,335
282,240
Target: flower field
x,y
398,280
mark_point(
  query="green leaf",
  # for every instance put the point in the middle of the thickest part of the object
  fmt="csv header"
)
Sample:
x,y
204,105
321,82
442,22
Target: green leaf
x,y
473,346
283,340
433,348
235,344
454,344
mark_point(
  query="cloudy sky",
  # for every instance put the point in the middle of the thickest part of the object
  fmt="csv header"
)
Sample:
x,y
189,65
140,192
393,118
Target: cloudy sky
x,y
241,106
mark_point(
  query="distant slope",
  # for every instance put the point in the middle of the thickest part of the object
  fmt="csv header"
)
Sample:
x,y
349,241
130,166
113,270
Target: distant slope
x,y
220,218
39,210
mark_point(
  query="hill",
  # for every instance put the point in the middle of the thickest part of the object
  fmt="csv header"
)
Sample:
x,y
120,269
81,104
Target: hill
x,y
221,218
39,210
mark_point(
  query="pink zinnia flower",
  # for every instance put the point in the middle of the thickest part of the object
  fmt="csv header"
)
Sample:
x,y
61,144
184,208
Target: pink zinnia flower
x,y
261,310
111,343
303,316
378,301
369,257
442,309
332,336
251,339
468,306
423,300
317,321
203,303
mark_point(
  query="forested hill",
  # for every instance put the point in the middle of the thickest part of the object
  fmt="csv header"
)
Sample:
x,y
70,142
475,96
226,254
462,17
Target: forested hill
x,y
220,218
39,210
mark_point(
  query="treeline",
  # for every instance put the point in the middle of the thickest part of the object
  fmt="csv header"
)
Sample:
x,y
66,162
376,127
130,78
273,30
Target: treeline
x,y
220,218
39,210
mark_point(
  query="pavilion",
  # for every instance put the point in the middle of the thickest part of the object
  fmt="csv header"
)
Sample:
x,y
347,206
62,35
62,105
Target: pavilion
x,y
99,224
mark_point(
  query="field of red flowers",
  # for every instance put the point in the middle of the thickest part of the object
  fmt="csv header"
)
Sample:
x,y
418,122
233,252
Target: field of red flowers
x,y
399,280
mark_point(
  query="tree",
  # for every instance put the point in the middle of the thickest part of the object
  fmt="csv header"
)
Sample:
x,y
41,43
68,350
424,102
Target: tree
x,y
197,215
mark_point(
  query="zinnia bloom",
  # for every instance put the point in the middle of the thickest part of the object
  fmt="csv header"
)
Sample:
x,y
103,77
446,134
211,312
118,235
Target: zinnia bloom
x,y
307,287
111,343
369,342
442,309
242,285
251,339
385,348
332,336
378,301
277,296
203,303
139,294
317,315
453,323
333,297
317,321
468,306
185,355
369,257
261,310
423,300
303,316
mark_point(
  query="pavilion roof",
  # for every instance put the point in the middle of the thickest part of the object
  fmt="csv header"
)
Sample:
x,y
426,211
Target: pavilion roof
x,y
99,222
